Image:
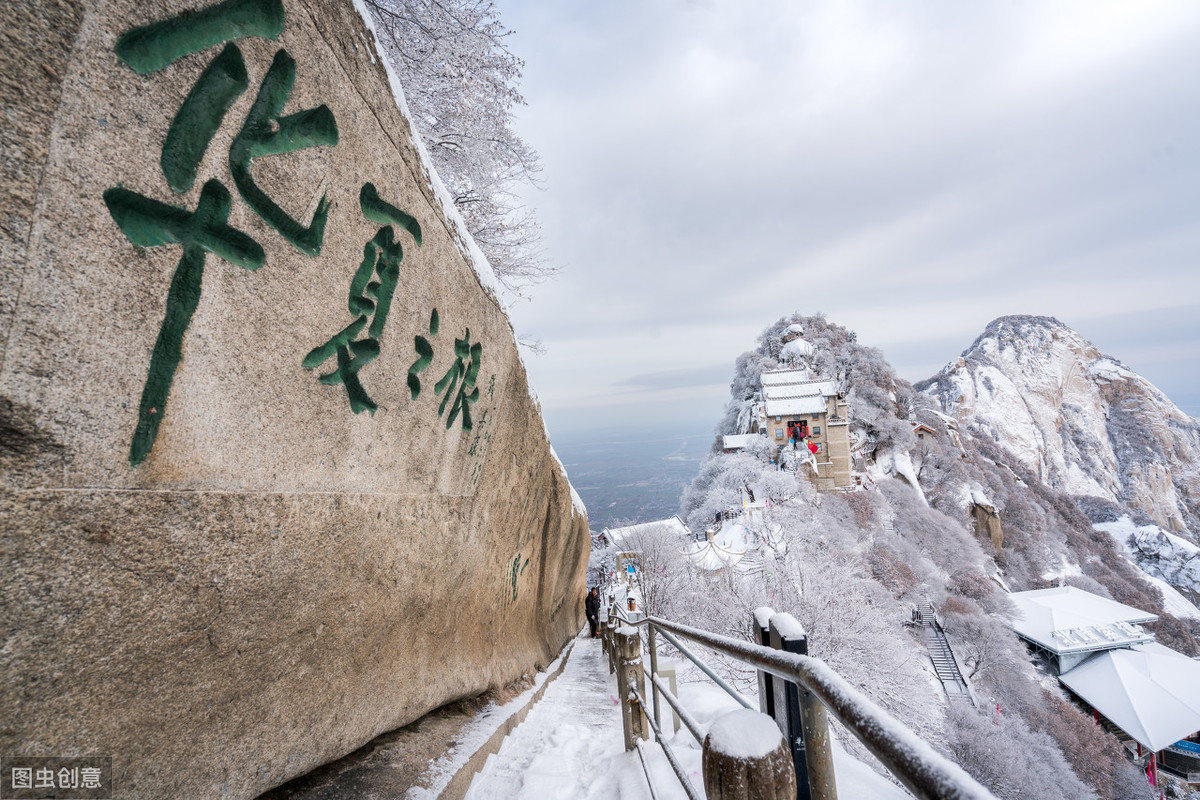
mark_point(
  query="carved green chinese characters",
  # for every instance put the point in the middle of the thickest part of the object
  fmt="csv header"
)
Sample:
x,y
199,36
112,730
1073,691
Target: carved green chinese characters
x,y
266,133
463,374
367,299
424,356
200,116
150,223
151,47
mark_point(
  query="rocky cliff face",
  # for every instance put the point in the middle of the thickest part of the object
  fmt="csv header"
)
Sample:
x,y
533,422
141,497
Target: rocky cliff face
x,y
1083,421
273,478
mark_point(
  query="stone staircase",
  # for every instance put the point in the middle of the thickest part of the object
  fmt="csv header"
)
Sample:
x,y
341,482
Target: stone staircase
x,y
941,655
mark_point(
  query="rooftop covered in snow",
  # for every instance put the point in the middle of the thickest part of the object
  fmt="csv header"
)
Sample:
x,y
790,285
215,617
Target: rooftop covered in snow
x,y
727,548
790,377
1069,623
738,441
628,535
790,406
790,392
1148,690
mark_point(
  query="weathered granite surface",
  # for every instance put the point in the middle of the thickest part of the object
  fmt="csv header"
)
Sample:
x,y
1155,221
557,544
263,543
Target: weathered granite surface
x,y
280,579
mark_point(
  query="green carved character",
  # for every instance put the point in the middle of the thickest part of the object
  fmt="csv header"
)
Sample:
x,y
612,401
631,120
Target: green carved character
x,y
152,47
424,356
149,223
463,374
368,299
266,133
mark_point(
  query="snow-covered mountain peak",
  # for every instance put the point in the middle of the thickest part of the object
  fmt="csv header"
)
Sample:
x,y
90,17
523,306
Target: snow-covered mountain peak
x,y
1085,423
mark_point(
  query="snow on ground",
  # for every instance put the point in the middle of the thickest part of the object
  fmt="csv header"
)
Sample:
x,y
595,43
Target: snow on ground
x,y
475,735
570,747
1174,555
1066,569
890,461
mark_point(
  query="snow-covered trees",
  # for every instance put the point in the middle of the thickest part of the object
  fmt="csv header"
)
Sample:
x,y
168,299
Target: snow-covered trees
x,y
460,81
1011,760
726,479
853,565
663,572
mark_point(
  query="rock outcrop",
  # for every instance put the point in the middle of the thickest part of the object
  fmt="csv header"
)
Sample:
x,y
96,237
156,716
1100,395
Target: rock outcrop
x,y
1083,421
274,481
987,524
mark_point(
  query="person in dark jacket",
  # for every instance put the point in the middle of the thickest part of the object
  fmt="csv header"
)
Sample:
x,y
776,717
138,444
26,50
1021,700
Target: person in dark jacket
x,y
592,609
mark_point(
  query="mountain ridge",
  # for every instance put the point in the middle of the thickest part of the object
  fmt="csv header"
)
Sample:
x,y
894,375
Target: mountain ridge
x,y
1084,422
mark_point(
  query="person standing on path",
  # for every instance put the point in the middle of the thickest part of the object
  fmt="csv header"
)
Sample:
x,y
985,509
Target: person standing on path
x,y
592,609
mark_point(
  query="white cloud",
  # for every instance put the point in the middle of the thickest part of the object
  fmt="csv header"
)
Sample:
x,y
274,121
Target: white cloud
x,y
912,170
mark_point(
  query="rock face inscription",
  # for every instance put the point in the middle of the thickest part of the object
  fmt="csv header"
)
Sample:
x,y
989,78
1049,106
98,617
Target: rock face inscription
x,y
268,447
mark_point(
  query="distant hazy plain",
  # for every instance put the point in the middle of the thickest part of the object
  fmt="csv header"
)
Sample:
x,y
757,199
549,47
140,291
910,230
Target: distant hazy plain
x,y
626,477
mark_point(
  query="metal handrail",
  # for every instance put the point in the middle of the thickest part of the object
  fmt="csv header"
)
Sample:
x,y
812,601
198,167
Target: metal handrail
x,y
671,759
685,716
718,680
923,771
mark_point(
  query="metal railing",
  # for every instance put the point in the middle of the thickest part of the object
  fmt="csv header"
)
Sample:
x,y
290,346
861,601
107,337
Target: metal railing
x,y
816,688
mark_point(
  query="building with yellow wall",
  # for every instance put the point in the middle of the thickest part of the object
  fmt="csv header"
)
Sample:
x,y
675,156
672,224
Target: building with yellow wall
x,y
797,409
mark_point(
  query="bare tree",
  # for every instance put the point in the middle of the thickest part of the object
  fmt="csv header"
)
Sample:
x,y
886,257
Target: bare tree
x,y
663,570
460,81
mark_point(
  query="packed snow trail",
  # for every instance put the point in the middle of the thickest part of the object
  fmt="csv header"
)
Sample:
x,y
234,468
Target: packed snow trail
x,y
571,747
563,748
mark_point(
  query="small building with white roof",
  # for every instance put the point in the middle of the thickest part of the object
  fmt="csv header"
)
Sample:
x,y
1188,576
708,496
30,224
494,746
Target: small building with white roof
x,y
1066,624
798,409
1149,692
738,441
624,536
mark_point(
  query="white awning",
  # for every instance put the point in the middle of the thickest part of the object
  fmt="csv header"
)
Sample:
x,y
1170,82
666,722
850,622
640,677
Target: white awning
x,y
1065,619
1151,692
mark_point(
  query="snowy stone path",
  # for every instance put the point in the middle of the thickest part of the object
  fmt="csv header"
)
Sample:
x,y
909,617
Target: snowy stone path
x,y
570,746
563,748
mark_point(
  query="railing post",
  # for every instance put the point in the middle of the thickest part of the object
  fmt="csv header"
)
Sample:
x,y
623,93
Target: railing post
x,y
630,679
745,758
760,624
654,671
603,626
822,782
668,675
612,644
802,719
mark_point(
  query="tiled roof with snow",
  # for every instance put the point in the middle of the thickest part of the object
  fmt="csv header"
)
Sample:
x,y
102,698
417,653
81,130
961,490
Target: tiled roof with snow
x,y
1148,690
791,391
789,406
800,388
728,546
775,377
1065,619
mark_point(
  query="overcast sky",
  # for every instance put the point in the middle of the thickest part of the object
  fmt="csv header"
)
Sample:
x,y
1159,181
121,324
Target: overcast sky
x,y
913,170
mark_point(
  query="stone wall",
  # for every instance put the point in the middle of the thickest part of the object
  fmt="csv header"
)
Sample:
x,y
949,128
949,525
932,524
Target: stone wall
x,y
219,567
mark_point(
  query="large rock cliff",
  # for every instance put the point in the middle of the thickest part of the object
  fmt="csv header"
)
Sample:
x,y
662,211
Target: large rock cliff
x,y
273,478
1083,421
